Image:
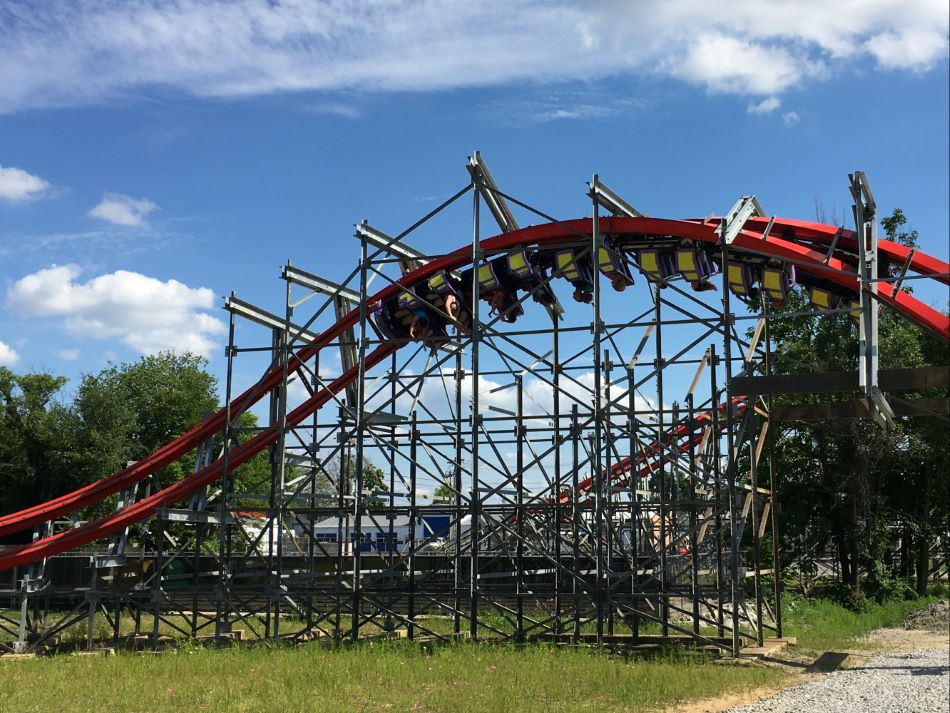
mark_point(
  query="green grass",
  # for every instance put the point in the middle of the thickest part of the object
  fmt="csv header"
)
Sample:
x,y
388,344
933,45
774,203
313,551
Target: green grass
x,y
824,625
394,676
401,675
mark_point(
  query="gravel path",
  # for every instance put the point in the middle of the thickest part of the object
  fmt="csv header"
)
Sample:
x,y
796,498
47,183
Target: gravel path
x,y
906,682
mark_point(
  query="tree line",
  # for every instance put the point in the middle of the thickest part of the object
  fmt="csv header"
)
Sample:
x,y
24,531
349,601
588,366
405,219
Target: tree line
x,y
876,498
51,445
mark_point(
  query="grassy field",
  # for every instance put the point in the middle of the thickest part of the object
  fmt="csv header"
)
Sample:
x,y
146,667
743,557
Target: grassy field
x,y
401,676
396,676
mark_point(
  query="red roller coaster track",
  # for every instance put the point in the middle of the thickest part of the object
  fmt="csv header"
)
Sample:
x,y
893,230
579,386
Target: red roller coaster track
x,y
802,243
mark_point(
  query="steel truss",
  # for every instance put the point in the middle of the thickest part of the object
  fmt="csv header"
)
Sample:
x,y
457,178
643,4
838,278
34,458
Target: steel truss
x,y
591,479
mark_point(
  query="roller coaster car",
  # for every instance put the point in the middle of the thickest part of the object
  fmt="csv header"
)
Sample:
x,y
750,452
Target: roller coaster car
x,y
612,264
422,322
824,295
741,280
777,281
530,275
658,265
822,299
389,326
577,271
443,292
696,266
499,288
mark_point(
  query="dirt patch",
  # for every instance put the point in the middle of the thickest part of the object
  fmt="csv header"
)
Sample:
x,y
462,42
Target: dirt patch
x,y
740,698
908,639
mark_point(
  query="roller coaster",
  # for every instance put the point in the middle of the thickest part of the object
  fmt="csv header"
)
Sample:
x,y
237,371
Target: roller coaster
x,y
532,481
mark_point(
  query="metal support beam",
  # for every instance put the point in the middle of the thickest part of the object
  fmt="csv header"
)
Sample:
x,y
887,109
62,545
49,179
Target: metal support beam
x,y
488,190
409,258
609,200
865,226
742,210
319,284
251,312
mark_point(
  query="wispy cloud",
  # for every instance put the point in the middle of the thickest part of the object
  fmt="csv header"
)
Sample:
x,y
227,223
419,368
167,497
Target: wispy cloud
x,y
89,243
529,108
122,210
790,118
766,106
346,111
101,50
16,185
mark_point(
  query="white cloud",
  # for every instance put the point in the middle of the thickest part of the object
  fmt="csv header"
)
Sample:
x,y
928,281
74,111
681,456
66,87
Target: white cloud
x,y
144,313
726,64
344,110
571,103
8,357
64,53
68,354
907,49
17,185
766,106
123,210
790,118
114,241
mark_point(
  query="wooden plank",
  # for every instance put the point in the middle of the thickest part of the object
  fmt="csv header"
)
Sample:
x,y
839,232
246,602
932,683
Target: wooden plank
x,y
923,377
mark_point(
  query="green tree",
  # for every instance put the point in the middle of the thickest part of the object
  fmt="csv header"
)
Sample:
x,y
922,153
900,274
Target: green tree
x,y
30,421
443,494
848,482
145,404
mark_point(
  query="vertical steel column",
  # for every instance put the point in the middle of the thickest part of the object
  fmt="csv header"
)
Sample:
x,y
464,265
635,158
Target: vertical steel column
x,y
157,581
92,597
693,512
413,514
276,592
635,510
314,449
273,421
661,439
717,487
576,579
597,464
519,509
865,225
727,321
358,466
754,517
773,492
223,557
393,446
343,537
608,494
457,498
476,418
556,441
20,646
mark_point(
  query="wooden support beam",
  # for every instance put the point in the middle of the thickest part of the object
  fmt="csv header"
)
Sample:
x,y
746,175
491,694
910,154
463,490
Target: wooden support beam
x,y
923,377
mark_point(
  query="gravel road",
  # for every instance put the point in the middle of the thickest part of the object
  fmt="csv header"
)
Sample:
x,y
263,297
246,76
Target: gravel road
x,y
905,682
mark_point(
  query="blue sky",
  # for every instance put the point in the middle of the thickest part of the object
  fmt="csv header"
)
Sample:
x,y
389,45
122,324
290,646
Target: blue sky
x,y
154,157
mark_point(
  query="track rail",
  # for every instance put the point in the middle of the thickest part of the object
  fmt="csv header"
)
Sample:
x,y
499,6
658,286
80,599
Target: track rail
x,y
790,241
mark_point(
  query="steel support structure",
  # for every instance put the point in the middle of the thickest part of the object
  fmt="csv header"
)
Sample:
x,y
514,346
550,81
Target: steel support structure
x,y
543,479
